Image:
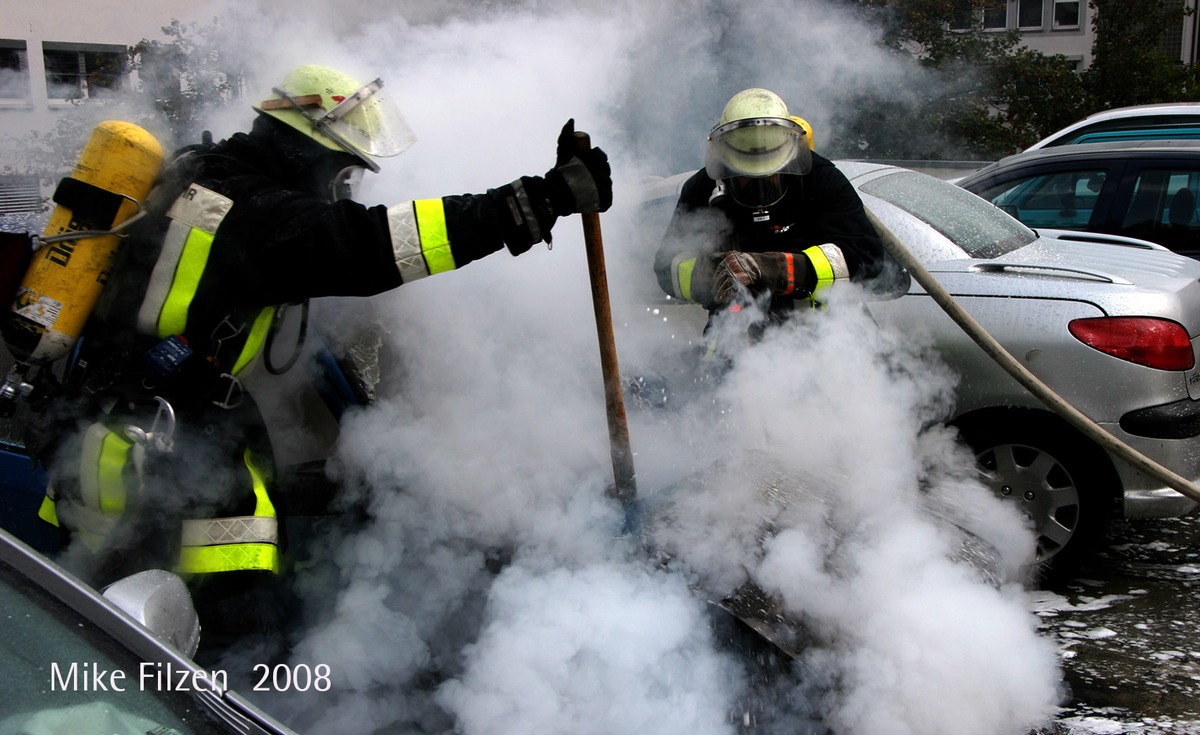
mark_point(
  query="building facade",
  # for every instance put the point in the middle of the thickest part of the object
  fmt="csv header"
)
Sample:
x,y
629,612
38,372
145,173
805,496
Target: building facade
x,y
56,53
1065,27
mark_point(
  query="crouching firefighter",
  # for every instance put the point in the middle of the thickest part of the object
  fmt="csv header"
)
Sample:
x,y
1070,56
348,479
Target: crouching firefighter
x,y
158,457
767,219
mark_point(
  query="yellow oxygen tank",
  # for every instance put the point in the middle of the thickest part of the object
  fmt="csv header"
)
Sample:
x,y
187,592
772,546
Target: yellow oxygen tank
x,y
112,177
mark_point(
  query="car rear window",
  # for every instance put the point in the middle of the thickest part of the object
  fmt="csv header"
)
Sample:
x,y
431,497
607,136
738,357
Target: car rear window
x,y
1061,198
976,226
1164,207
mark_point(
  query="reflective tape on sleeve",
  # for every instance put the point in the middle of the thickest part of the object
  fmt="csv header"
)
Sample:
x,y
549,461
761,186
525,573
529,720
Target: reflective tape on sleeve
x,y
406,242
682,269
829,263
435,242
420,242
790,262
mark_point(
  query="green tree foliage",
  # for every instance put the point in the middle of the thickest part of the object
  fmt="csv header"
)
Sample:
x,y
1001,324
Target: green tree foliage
x,y
982,95
1130,65
186,77
979,94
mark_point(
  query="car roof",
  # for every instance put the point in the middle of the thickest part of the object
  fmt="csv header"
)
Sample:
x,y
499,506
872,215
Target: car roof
x,y
1091,151
1137,110
1117,114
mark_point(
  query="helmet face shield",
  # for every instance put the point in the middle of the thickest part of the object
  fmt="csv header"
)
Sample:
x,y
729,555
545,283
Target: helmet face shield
x,y
758,147
369,122
340,114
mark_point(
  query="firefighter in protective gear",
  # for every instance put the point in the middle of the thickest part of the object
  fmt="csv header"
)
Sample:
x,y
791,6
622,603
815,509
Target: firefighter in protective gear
x,y
157,456
767,217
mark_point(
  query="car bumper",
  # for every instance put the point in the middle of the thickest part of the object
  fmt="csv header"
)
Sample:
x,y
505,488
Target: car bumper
x,y
1146,496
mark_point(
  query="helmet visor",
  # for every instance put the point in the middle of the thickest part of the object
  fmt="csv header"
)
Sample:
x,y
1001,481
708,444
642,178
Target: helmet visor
x,y
755,147
369,123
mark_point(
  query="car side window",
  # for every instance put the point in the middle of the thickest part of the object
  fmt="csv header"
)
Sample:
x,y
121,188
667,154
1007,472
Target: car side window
x,y
1163,208
1058,199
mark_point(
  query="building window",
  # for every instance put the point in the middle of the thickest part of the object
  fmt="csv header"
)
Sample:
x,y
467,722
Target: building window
x,y
1171,41
1029,14
14,71
82,72
995,15
1066,14
967,15
20,194
962,16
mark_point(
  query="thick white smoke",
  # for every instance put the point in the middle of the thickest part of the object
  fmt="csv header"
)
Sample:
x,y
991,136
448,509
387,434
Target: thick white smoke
x,y
489,588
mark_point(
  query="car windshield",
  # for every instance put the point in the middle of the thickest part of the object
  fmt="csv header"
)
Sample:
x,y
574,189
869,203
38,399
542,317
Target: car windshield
x,y
61,675
982,230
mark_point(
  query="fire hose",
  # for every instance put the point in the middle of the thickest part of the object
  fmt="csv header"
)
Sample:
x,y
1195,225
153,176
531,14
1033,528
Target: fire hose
x,y
1022,375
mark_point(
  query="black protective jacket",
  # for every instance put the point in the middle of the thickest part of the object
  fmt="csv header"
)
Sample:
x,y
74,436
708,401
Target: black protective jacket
x,y
282,240
233,229
818,208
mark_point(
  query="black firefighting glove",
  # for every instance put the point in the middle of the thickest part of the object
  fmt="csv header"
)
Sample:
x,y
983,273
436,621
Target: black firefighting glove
x,y
581,181
735,273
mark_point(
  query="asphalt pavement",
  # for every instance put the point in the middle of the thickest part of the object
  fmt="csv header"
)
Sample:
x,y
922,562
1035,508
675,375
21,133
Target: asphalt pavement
x,y
1128,629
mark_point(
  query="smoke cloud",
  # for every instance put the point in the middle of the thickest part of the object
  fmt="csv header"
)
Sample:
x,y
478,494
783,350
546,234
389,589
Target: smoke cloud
x,y
480,580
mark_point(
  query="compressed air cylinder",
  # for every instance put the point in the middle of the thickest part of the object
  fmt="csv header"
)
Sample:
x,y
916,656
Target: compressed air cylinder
x,y
114,173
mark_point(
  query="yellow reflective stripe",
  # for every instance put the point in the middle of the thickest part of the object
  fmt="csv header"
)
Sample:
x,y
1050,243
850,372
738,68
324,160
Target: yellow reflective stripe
x,y
258,475
102,470
228,558
173,318
821,265
684,271
256,338
829,263
114,453
435,242
47,512
234,557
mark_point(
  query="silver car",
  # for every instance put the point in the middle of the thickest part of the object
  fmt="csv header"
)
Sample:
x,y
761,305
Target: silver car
x,y
1112,328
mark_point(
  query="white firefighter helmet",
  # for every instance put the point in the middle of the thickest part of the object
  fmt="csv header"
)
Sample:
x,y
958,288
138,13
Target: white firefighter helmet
x,y
757,137
340,113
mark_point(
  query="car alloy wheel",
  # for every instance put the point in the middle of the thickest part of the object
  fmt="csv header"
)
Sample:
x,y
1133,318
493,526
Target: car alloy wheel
x,y
1063,482
1040,485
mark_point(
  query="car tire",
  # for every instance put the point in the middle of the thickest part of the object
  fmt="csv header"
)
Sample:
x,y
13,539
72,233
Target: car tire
x,y
1064,482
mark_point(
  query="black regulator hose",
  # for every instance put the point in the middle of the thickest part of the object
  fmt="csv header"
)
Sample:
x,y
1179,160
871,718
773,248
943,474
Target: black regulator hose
x,y
1022,375
300,339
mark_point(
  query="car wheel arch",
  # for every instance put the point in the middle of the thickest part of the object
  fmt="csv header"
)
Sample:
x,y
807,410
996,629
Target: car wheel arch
x,y
1039,451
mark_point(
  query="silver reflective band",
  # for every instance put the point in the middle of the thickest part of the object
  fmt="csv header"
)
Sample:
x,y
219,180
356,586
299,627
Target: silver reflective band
x,y
234,530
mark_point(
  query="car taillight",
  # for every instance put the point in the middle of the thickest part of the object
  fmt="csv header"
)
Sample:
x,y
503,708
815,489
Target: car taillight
x,y
1156,343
